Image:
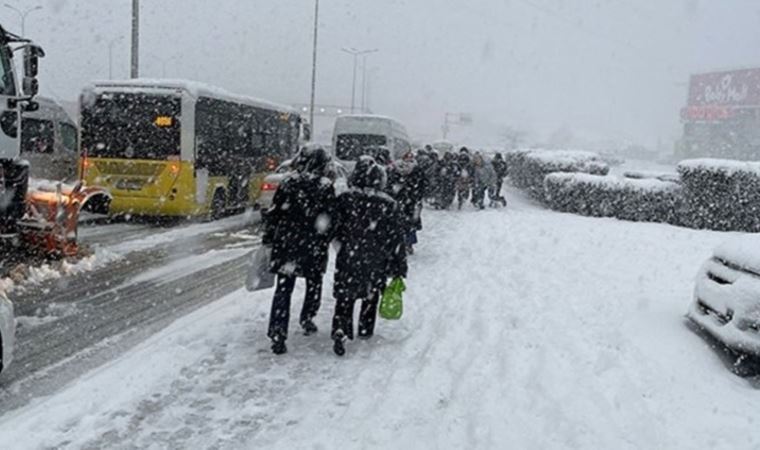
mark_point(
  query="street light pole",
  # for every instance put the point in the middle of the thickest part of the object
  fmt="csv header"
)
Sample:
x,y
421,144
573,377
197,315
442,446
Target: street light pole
x,y
22,15
356,53
134,71
314,64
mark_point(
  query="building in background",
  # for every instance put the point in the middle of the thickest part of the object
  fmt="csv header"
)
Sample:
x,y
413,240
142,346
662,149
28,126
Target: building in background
x,y
722,116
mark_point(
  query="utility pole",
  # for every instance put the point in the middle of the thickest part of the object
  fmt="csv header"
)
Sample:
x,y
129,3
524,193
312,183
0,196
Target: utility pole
x,y
356,53
135,66
314,64
22,15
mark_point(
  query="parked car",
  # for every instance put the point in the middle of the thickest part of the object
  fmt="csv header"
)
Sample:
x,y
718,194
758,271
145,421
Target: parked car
x,y
727,295
272,181
7,332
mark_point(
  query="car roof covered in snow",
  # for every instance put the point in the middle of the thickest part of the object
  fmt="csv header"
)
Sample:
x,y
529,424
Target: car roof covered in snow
x,y
194,88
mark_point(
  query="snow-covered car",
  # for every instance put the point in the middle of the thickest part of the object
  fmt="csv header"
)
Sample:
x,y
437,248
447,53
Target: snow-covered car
x,y
7,332
273,180
726,300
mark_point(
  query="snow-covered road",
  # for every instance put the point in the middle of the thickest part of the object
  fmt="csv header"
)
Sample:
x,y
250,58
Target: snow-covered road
x,y
523,328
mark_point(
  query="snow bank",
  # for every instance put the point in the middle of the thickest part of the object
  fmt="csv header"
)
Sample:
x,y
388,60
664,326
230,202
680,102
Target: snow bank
x,y
644,200
569,160
27,276
649,174
725,166
722,194
529,167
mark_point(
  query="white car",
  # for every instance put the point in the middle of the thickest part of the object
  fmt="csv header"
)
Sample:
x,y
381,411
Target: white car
x,y
7,332
273,180
727,295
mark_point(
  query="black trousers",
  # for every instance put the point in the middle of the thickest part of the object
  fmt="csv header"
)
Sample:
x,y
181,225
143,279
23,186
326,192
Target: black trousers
x,y
499,185
279,318
343,320
479,196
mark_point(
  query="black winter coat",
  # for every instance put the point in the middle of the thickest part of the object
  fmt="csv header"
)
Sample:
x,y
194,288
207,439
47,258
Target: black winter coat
x,y
500,166
369,229
409,190
448,174
298,226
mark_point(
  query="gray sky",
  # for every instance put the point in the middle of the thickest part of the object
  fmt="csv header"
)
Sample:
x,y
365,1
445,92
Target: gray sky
x,y
601,68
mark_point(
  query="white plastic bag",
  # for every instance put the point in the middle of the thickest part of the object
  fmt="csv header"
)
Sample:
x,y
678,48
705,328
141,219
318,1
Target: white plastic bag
x,y
259,277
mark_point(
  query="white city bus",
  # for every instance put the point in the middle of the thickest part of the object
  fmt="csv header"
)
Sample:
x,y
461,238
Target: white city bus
x,y
355,134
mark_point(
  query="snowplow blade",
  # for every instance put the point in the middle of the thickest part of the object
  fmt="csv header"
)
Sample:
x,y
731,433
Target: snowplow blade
x,y
51,218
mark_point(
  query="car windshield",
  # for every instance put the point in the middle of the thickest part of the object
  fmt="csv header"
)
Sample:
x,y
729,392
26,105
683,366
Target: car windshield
x,y
388,224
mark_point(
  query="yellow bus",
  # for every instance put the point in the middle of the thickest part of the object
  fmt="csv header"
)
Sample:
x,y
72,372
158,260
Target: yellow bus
x,y
181,149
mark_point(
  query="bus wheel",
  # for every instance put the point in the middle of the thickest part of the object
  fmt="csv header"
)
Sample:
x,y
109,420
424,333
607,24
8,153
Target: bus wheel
x,y
218,205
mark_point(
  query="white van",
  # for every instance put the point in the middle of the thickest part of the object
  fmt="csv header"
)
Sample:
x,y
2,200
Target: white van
x,y
354,134
50,141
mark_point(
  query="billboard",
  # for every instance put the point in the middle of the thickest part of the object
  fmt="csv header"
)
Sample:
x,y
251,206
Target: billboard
x,y
734,88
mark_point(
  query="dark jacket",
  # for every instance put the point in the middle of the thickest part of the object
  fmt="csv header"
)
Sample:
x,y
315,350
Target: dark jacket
x,y
368,227
408,188
500,166
465,165
298,226
449,172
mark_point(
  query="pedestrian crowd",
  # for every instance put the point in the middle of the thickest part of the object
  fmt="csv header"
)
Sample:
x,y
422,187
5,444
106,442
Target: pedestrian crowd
x,y
466,176
374,225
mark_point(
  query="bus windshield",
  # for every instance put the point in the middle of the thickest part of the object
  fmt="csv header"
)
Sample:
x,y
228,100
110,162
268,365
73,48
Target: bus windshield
x,y
349,147
131,126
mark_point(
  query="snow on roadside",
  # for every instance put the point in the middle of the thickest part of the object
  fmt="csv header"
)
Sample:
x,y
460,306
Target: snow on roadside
x,y
191,264
522,326
186,232
36,275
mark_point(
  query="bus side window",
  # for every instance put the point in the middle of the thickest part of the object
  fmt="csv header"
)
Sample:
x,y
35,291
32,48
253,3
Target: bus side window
x,y
69,137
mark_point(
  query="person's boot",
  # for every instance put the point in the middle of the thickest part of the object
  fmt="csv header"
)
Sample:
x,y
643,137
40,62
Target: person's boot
x,y
365,335
339,345
278,346
309,328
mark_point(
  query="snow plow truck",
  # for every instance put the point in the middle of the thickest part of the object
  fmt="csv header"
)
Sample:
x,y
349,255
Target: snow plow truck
x,y
42,218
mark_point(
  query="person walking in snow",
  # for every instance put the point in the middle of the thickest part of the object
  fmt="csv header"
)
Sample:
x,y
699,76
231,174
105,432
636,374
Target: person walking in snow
x,y
407,184
429,164
464,183
298,228
500,168
448,175
483,180
370,232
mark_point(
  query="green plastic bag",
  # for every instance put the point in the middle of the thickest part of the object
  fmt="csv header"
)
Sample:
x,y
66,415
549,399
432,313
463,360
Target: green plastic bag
x,y
392,303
